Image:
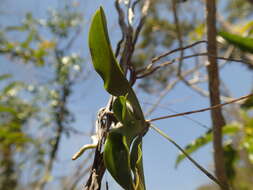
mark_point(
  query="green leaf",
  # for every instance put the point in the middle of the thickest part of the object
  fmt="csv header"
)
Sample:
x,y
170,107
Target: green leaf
x,y
243,43
106,64
103,58
7,109
5,76
126,106
15,86
117,160
231,156
203,140
123,111
136,163
195,145
248,104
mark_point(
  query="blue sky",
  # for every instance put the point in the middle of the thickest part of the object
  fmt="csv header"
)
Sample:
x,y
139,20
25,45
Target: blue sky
x,y
159,154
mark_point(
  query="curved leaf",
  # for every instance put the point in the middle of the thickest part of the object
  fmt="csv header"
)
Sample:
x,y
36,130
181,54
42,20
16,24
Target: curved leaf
x,y
106,64
103,58
136,164
123,111
243,43
117,161
126,107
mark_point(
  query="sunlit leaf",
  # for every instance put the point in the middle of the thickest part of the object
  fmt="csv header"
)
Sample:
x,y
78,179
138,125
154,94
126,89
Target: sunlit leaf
x,y
243,43
136,163
103,58
203,140
126,108
117,159
12,88
123,111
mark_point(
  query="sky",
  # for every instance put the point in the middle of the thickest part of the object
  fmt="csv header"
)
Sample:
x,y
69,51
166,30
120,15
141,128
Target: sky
x,y
89,96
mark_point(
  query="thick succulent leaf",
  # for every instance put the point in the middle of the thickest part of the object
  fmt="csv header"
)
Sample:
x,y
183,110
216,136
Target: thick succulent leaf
x,y
243,43
126,106
136,156
136,164
203,140
123,110
103,58
106,64
118,108
117,159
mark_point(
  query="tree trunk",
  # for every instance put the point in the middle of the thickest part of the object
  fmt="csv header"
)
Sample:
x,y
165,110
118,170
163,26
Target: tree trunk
x,y
213,76
8,179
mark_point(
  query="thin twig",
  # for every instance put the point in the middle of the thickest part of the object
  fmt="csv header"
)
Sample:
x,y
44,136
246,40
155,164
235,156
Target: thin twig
x,y
142,20
201,110
73,39
187,117
122,24
208,174
169,87
178,33
150,69
177,49
117,51
134,4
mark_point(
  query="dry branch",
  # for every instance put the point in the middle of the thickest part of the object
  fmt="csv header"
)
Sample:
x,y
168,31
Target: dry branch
x,y
215,107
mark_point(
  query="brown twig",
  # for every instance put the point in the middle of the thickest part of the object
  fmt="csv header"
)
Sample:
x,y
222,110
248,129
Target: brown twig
x,y
150,69
178,33
155,59
169,87
186,117
122,24
73,39
201,110
79,174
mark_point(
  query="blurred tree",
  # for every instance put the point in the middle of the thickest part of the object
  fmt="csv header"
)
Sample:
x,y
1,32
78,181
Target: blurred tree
x,y
47,44
15,114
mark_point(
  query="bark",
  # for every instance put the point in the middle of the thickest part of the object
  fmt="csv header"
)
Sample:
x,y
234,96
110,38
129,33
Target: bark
x,y
8,179
218,120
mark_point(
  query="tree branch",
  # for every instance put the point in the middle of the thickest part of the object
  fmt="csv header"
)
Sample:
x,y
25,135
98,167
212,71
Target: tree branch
x,y
215,107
